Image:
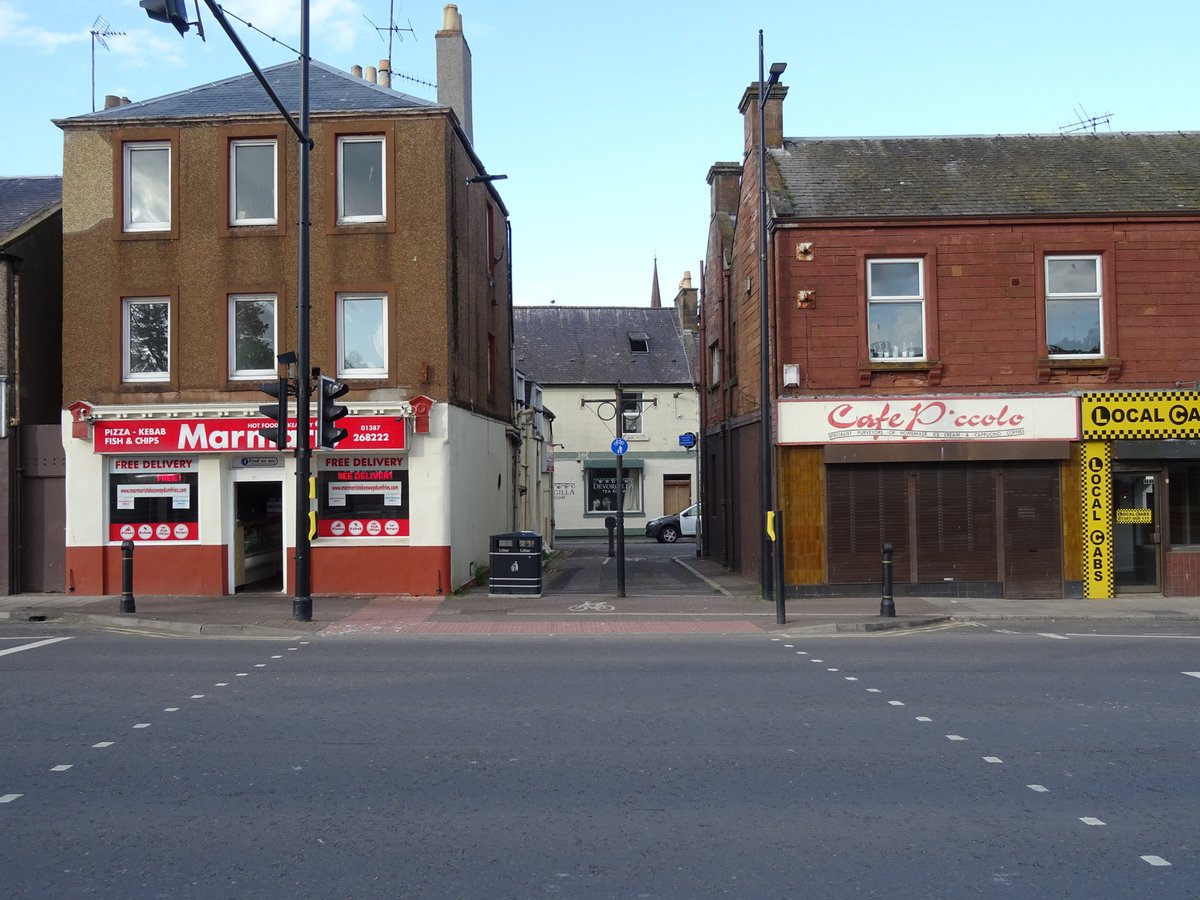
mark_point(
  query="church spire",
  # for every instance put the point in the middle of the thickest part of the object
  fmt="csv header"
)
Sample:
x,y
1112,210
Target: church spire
x,y
655,296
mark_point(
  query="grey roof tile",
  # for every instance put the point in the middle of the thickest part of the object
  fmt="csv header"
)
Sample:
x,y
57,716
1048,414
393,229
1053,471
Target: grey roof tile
x,y
590,345
24,199
330,90
1005,175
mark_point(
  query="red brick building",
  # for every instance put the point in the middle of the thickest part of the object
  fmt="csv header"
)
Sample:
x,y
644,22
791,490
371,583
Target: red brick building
x,y
940,310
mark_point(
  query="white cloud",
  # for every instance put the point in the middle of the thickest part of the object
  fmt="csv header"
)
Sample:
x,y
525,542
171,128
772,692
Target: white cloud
x,y
335,22
15,28
146,47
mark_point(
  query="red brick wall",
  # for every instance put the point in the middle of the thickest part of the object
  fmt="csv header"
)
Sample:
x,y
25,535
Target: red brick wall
x,y
985,306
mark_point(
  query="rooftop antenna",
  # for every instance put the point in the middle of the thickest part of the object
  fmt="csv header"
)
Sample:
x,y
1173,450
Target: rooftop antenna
x,y
100,31
392,29
1083,122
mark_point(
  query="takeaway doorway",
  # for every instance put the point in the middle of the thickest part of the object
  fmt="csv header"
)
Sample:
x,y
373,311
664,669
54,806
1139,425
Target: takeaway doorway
x,y
257,548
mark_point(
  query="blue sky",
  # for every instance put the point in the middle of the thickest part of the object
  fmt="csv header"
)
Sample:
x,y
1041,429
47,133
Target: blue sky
x,y
606,116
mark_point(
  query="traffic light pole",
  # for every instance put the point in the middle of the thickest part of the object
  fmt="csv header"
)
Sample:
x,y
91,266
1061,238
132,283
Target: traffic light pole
x,y
174,12
302,599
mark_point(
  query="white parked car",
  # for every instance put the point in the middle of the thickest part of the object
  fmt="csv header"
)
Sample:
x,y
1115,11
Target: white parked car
x,y
669,529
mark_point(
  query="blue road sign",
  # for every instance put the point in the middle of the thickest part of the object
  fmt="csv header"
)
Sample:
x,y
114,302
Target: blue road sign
x,y
687,440
619,446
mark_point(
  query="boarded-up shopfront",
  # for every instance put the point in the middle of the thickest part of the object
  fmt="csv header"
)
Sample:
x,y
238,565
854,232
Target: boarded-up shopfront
x,y
969,492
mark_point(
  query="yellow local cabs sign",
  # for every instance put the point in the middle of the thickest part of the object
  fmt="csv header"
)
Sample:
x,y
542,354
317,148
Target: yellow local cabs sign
x,y
1134,517
1141,415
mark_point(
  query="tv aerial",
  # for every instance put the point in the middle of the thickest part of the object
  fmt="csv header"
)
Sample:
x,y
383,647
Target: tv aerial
x,y
1083,122
100,31
392,29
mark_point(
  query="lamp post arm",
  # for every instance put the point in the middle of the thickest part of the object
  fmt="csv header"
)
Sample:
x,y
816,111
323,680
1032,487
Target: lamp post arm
x,y
219,15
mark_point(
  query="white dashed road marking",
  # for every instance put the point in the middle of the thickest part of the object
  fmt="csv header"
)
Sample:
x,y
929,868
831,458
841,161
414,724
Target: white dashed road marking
x,y
955,737
992,759
1057,637
61,768
1038,788
102,745
1153,860
1193,674
32,646
895,703
9,798
924,719
1089,820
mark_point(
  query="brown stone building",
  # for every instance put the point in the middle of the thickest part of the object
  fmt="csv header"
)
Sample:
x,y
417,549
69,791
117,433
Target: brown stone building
x,y
180,290
941,310
31,458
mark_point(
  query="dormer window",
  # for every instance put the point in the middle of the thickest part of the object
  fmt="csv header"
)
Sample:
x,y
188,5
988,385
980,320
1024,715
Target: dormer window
x,y
639,342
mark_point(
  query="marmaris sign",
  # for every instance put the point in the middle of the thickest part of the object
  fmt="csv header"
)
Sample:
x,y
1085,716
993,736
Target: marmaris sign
x,y
153,436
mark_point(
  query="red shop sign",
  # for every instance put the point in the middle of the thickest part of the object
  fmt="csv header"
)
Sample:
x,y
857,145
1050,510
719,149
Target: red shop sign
x,y
150,436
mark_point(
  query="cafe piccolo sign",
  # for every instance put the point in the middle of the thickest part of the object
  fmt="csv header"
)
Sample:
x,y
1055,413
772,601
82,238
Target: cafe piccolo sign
x,y
870,420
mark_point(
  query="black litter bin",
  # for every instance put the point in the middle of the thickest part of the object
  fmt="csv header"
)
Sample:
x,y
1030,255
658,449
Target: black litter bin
x,y
515,565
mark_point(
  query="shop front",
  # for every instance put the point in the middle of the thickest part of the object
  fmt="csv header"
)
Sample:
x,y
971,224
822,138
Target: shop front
x,y
210,506
1139,491
968,491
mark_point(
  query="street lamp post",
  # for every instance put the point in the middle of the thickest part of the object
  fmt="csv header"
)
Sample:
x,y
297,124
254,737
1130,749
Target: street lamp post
x,y
764,89
620,425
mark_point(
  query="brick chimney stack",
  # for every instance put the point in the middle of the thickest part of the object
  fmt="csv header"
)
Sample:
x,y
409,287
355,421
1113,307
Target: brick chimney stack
x,y
454,68
773,118
725,187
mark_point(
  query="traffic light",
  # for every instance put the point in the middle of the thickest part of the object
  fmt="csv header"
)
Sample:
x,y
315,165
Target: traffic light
x,y
277,411
172,11
328,412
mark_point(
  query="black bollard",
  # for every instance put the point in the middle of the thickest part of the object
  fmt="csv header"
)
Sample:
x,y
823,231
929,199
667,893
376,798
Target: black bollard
x,y
887,606
610,522
127,604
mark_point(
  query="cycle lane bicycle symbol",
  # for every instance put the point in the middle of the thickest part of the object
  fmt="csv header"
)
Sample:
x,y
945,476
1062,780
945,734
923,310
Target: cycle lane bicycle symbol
x,y
592,606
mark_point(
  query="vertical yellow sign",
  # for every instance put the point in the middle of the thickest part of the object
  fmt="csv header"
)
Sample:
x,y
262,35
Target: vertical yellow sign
x,y
1095,463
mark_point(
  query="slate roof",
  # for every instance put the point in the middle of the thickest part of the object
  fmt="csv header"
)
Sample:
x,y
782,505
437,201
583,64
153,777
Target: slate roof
x,y
329,90
590,345
25,200
1106,173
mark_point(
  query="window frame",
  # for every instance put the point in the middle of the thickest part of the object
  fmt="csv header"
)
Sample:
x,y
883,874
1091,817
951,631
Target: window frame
x,y
921,298
634,477
1096,297
633,400
340,179
369,372
236,373
128,150
127,375
234,145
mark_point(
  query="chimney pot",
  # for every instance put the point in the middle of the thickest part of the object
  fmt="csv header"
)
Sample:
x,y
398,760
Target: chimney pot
x,y
371,74
111,100
356,71
451,20
385,73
